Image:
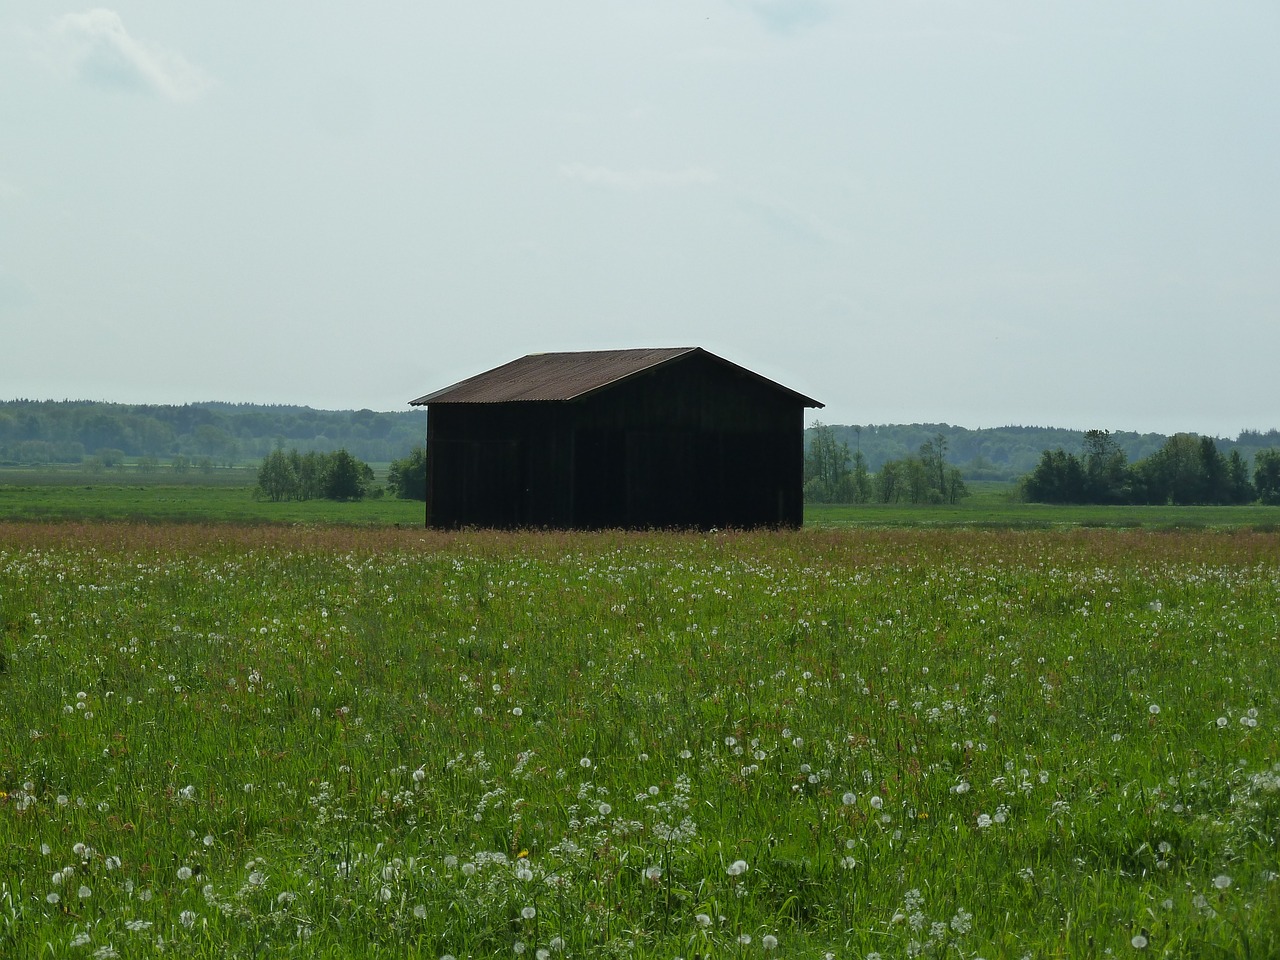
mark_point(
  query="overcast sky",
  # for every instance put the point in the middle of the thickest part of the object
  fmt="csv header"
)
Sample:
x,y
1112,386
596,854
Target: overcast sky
x,y
980,213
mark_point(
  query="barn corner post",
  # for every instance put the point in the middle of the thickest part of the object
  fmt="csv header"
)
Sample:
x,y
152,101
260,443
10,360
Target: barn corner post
x,y
426,472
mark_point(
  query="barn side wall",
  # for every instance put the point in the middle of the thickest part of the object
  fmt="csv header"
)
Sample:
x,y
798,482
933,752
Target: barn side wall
x,y
694,443
504,465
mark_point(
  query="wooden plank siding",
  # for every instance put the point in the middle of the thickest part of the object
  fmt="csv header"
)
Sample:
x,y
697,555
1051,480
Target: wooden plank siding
x,y
691,443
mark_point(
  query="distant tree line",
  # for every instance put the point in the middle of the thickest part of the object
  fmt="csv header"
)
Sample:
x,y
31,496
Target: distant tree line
x,y
1186,469
1005,453
74,431
832,474
313,476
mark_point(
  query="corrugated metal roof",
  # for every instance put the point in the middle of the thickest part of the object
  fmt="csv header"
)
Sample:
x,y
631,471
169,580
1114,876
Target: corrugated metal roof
x,y
569,376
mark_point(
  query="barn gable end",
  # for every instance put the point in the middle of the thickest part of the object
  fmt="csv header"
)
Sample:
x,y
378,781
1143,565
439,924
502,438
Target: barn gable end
x,y
620,438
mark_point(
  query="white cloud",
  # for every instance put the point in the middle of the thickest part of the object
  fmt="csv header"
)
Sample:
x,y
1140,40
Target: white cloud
x,y
793,222
786,16
8,191
95,47
636,179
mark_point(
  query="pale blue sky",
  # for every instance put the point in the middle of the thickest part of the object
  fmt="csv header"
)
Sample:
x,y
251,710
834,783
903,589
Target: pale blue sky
x,y
984,213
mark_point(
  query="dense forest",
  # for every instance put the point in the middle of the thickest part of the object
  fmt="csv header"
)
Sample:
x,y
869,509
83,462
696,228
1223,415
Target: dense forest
x,y
77,431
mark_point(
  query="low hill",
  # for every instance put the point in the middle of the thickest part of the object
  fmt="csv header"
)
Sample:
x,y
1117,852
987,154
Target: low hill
x,y
68,431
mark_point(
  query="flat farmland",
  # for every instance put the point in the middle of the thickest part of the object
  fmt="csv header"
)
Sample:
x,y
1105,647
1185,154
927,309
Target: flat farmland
x,y
859,743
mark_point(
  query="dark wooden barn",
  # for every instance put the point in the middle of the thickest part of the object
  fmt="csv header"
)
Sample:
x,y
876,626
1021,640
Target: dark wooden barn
x,y
615,438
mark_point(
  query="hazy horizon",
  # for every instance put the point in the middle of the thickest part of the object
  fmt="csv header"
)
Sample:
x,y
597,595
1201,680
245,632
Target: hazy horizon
x,y
812,417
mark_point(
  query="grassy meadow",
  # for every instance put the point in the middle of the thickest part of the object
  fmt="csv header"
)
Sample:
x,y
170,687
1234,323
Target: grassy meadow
x,y
218,496
332,742
226,495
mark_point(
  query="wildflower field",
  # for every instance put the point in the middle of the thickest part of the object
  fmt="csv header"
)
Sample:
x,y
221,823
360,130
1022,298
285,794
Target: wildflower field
x,y
220,741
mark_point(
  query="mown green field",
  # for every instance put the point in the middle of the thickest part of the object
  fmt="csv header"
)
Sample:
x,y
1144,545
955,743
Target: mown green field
x,y
227,496
265,741
220,496
1003,513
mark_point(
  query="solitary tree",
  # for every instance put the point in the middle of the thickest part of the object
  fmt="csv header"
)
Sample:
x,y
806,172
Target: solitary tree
x,y
827,477
889,482
1105,468
934,454
277,478
408,477
345,477
1266,475
1058,478
1239,489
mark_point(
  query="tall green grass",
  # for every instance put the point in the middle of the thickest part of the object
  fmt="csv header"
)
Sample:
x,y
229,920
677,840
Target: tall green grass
x,y
262,742
222,496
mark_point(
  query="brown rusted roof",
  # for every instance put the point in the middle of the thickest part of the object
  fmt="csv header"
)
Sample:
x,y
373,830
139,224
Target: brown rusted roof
x,y
569,376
